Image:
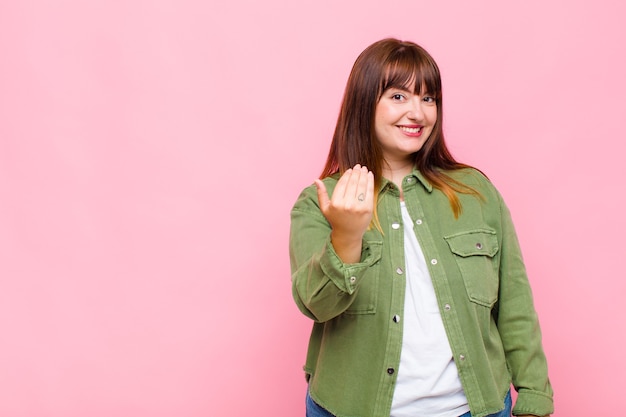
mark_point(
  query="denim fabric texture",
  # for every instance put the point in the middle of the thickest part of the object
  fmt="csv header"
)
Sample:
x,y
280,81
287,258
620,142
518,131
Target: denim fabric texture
x,y
504,413
314,410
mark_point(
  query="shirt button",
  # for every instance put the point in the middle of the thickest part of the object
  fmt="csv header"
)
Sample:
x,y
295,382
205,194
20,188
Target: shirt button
x,y
418,221
462,357
396,318
447,307
479,246
399,271
390,371
353,279
395,226
410,180
433,261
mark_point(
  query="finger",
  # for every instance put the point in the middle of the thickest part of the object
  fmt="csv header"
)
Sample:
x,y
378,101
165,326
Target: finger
x,y
352,186
322,194
369,195
340,188
362,184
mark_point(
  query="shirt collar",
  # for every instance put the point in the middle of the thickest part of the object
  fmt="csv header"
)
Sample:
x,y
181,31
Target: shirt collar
x,y
415,174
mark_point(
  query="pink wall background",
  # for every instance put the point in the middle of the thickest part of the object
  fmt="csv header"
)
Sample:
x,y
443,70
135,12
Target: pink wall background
x,y
150,152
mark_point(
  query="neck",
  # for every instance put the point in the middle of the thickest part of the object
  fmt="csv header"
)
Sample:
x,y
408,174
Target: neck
x,y
396,172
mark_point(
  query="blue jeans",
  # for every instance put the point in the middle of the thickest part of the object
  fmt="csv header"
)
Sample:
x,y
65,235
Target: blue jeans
x,y
508,404
314,410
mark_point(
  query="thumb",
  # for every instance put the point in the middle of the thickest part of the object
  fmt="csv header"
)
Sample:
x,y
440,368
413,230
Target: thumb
x,y
322,194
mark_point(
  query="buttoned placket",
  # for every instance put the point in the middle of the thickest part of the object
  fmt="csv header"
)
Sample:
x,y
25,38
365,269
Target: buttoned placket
x,y
441,284
395,233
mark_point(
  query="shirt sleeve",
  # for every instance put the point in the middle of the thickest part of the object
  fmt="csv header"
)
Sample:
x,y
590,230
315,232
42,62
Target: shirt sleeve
x,y
519,330
323,286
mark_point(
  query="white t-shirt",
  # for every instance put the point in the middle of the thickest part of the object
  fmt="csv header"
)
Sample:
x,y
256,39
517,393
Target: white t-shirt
x,y
428,382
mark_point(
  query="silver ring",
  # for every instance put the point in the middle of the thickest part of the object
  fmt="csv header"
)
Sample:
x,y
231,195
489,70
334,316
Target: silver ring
x,y
361,197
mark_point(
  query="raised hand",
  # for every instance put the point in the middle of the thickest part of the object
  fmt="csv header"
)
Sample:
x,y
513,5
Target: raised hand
x,y
349,211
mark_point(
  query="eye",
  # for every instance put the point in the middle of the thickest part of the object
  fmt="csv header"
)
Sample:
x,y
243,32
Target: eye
x,y
429,99
397,97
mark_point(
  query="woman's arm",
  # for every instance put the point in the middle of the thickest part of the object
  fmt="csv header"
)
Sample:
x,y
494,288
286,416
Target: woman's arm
x,y
518,326
328,254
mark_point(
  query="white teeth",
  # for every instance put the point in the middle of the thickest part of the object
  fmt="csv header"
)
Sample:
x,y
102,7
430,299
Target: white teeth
x,y
411,129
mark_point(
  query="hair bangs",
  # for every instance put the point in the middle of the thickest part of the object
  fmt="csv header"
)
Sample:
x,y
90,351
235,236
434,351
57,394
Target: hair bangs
x,y
408,69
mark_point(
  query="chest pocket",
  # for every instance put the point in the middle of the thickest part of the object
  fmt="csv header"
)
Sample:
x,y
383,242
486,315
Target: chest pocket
x,y
474,252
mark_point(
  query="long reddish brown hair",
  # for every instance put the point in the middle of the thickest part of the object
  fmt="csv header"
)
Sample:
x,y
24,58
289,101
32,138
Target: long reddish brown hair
x,y
391,63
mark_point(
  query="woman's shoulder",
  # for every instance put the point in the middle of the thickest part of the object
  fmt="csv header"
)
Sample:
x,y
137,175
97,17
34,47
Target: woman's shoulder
x,y
475,179
469,175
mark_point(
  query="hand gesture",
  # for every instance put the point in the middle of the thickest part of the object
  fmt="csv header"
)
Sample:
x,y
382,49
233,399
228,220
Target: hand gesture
x,y
349,211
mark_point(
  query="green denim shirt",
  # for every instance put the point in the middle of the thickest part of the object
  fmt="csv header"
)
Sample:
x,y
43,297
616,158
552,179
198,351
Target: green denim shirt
x,y
481,286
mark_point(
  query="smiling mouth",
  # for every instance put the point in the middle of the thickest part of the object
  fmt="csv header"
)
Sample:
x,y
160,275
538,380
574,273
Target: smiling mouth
x,y
411,129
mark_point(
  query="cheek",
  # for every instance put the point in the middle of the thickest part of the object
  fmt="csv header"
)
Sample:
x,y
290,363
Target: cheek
x,y
381,119
381,114
432,115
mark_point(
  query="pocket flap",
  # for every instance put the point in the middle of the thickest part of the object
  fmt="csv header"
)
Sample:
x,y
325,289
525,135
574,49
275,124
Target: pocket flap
x,y
474,242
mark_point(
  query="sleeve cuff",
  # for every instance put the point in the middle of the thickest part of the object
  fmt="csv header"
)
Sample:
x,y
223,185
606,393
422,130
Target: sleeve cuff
x,y
533,402
347,276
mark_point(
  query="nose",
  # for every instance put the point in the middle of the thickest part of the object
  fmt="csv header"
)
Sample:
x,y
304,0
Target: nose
x,y
415,111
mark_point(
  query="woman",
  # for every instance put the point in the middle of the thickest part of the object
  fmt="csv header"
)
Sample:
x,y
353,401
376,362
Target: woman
x,y
408,263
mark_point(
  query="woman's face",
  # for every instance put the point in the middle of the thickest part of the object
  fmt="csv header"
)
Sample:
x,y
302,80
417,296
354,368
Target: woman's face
x,y
403,122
